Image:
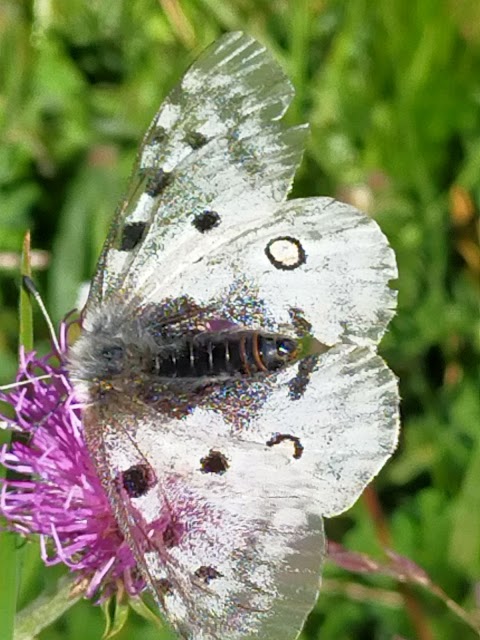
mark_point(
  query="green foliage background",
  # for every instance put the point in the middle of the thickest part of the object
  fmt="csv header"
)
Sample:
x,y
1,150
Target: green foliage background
x,y
392,92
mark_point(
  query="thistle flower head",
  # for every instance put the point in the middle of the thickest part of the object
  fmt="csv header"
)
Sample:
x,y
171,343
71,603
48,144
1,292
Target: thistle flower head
x,y
52,488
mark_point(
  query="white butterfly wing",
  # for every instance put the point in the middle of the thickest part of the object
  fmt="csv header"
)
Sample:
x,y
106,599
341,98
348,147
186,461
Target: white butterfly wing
x,y
215,142
340,283
233,519
211,229
211,221
337,433
226,555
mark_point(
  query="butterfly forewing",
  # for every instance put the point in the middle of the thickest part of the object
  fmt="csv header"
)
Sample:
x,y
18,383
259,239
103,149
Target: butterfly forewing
x,y
215,138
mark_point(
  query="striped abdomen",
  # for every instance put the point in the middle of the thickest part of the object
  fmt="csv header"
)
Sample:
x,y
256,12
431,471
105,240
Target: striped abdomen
x,y
225,353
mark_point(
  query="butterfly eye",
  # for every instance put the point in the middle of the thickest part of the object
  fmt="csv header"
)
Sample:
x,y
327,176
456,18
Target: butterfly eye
x,y
112,356
112,353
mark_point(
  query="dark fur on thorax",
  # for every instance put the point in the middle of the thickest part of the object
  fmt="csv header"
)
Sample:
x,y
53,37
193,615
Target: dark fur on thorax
x,y
115,344
117,351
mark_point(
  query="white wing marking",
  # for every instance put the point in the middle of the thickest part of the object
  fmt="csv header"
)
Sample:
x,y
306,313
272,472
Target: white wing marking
x,y
143,211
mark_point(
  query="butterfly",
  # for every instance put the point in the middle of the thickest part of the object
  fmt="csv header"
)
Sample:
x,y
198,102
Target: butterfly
x,y
233,396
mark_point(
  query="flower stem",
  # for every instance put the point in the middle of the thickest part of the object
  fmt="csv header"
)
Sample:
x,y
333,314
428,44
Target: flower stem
x,y
414,611
43,611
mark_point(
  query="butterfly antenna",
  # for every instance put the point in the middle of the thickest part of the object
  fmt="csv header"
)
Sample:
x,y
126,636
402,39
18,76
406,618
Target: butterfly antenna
x,y
23,383
33,291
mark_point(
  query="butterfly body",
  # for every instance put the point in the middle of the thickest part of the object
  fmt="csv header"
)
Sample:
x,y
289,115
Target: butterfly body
x,y
155,349
225,354
233,394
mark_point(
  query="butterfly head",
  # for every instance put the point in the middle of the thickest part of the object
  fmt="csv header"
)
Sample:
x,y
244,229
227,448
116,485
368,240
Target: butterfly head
x,y
112,349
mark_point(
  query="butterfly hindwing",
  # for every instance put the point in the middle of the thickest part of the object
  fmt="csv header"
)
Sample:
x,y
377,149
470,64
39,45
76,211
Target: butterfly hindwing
x,y
225,517
218,568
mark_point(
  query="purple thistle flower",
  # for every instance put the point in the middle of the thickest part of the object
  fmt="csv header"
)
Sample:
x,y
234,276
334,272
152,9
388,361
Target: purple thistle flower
x,y
52,488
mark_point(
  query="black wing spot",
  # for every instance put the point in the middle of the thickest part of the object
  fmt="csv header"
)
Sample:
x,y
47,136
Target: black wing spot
x,y
277,438
164,587
286,253
156,182
207,574
171,535
206,221
159,135
298,385
215,462
301,324
138,480
131,235
195,139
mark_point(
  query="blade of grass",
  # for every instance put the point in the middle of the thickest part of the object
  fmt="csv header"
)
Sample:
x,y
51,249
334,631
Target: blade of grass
x,y
25,309
9,553
299,36
8,584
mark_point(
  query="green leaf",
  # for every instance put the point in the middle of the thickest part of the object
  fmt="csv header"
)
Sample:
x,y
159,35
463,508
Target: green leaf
x,y
9,554
8,584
